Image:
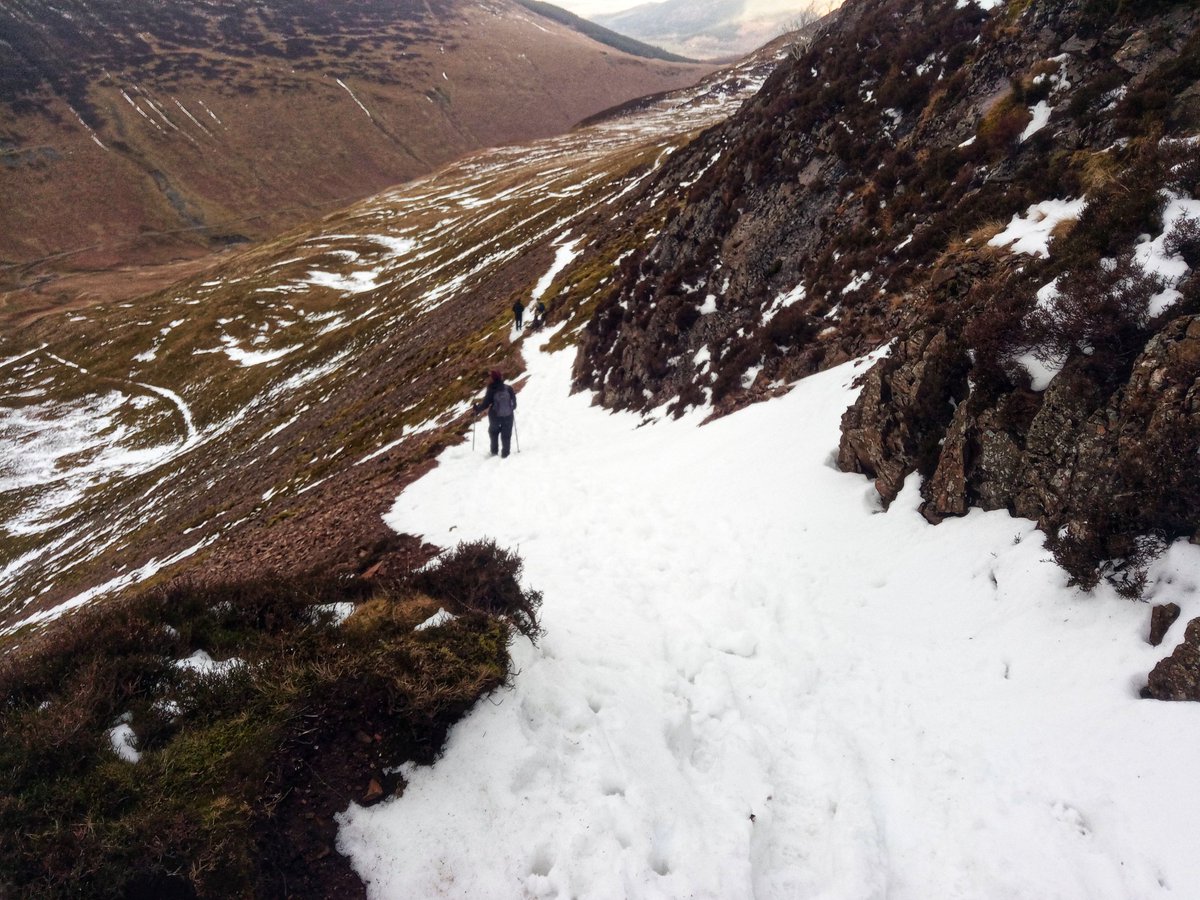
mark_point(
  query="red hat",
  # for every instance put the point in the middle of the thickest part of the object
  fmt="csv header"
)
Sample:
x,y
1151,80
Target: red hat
x,y
496,376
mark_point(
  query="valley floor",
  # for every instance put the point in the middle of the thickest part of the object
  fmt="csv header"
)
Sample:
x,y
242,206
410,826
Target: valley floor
x,y
755,683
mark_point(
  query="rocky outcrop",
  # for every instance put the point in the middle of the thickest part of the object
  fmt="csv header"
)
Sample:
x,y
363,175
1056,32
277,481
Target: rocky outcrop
x,y
1178,676
1103,468
853,202
907,402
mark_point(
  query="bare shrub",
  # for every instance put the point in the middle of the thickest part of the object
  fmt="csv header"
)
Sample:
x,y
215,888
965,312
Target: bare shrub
x,y
792,327
1184,240
1100,311
481,577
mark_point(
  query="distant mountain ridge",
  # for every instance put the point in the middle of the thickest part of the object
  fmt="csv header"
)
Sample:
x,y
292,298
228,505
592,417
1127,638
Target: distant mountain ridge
x,y
600,33
711,29
141,131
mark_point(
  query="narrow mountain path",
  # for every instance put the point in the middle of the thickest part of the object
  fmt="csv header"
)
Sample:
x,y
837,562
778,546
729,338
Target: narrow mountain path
x,y
755,684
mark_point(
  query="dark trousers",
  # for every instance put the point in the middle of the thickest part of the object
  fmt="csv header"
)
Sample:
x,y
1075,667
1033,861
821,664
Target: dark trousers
x,y
517,319
500,431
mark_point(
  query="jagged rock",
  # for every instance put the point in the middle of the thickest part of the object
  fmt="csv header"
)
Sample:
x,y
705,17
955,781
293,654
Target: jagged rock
x,y
1076,44
947,490
374,793
1052,446
1186,112
1161,619
1000,435
903,410
1139,452
1136,48
1178,676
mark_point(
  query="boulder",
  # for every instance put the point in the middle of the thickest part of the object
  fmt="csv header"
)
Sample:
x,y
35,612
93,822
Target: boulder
x,y
1178,676
1161,619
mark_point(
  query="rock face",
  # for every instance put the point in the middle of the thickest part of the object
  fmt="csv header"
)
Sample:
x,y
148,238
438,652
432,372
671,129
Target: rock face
x,y
1178,676
858,199
1107,468
908,401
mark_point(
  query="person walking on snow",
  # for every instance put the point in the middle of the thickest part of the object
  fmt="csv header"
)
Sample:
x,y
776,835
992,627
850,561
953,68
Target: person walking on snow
x,y
501,403
518,313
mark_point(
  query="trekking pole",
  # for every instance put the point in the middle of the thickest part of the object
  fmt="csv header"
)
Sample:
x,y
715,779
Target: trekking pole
x,y
473,418
516,435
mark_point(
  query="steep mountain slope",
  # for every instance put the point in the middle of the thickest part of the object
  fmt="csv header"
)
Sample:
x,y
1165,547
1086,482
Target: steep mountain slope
x,y
712,29
139,132
262,417
803,687
892,184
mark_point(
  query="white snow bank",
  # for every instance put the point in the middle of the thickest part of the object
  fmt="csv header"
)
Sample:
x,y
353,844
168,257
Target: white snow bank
x,y
337,612
1030,234
754,684
783,301
1041,373
397,246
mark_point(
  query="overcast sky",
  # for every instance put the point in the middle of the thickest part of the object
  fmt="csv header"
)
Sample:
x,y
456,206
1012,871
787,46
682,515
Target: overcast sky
x,y
588,8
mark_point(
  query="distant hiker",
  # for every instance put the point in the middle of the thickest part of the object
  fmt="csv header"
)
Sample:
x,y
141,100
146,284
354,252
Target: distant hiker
x,y
539,316
501,402
518,313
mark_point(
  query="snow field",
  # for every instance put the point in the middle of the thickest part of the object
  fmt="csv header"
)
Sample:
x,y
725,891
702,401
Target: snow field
x,y
756,684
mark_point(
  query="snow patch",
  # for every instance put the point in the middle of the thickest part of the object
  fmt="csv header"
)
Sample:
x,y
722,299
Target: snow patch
x,y
203,664
1041,117
1154,259
439,618
124,742
563,257
736,687
1030,234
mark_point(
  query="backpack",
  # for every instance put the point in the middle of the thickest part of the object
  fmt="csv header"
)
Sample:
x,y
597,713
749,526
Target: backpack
x,y
502,403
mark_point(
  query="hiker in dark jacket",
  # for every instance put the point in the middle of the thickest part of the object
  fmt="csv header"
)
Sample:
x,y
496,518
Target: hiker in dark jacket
x,y
501,402
518,313
539,316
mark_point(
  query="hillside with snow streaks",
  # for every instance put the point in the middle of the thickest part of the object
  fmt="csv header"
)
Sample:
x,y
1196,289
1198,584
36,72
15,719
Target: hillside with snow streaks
x,y
146,433
756,683
145,136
